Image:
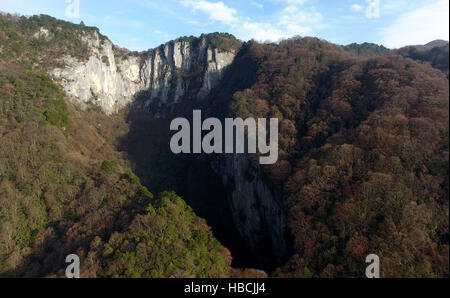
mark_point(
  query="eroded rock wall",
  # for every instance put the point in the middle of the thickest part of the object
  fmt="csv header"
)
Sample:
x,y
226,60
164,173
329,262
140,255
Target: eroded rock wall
x,y
167,74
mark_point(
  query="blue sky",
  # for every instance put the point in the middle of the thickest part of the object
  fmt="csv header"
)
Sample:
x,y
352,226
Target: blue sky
x,y
144,24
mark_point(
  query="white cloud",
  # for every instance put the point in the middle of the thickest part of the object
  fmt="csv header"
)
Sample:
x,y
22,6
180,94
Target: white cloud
x,y
356,7
373,9
297,2
299,21
257,4
261,32
217,11
289,22
292,21
419,26
291,9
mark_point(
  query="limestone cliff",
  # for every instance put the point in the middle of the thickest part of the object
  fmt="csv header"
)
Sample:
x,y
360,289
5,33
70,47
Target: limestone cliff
x,y
184,68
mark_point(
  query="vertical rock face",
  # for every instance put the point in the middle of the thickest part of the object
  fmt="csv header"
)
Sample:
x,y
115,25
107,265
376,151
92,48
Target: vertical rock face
x,y
181,69
256,213
100,80
184,69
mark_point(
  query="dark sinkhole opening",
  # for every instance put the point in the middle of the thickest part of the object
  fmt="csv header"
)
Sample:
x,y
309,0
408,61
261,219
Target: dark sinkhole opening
x,y
191,176
206,194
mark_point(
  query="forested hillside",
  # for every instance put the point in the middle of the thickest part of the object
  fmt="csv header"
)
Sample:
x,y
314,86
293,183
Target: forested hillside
x,y
363,164
64,187
435,53
363,157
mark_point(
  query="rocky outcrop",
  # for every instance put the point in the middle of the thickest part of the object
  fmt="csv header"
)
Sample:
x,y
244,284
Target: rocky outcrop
x,y
44,34
184,68
257,214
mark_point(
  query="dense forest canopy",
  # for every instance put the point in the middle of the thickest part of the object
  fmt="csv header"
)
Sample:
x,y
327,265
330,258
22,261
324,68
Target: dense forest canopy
x,y
364,157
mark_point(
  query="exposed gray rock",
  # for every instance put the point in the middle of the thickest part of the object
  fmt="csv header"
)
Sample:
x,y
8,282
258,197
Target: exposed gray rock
x,y
177,69
257,214
43,33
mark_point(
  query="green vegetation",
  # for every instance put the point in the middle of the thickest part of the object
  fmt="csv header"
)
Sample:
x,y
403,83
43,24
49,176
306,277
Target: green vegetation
x,y
64,187
163,242
110,166
224,42
367,49
29,93
105,60
43,39
48,184
57,113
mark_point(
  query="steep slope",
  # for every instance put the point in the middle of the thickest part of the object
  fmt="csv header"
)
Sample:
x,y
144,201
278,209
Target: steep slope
x,y
363,162
64,187
350,125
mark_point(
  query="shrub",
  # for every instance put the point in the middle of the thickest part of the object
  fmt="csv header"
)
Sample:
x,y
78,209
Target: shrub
x,y
109,166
